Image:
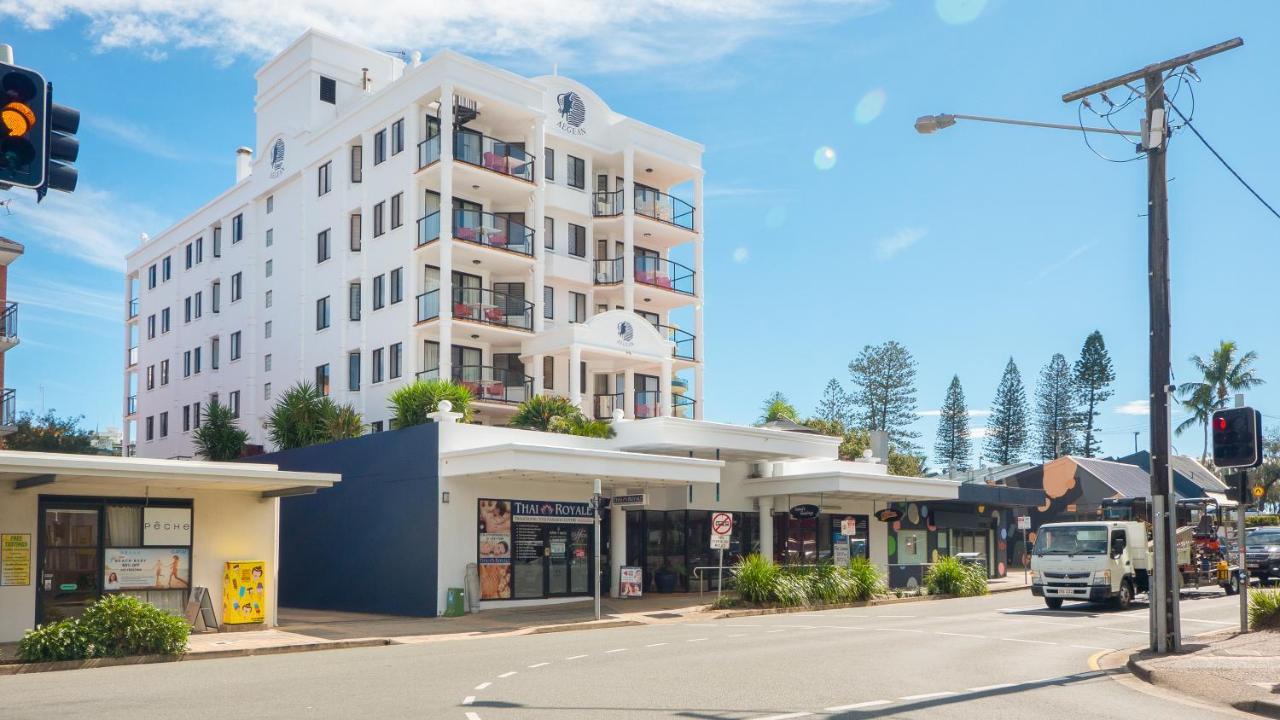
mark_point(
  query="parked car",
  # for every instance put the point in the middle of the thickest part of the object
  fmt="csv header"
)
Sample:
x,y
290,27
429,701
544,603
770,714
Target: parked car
x,y
1262,552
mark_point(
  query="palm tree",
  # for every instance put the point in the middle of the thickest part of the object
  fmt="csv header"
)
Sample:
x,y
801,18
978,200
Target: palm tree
x,y
218,437
776,407
304,416
413,403
540,411
1223,374
343,422
579,424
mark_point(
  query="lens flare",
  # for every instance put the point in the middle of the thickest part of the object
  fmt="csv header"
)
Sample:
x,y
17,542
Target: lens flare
x,y
959,12
869,107
741,254
824,158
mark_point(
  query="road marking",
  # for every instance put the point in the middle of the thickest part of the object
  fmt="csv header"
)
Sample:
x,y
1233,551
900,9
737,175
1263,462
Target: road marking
x,y
1211,622
507,674
615,650
473,716
897,617
1088,647
985,688
926,696
899,630
695,640
538,665
483,685
968,635
468,699
1029,642
1116,629
738,635
650,645
787,716
855,706
575,657
770,632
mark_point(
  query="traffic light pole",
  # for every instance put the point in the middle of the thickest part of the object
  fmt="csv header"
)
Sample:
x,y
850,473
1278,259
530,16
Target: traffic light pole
x,y
1242,572
1166,635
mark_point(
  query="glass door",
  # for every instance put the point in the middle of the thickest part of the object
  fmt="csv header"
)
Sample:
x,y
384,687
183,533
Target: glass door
x,y
557,560
579,560
70,562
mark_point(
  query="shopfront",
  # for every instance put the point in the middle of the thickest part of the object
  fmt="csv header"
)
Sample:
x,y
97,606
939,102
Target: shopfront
x,y
529,549
669,545
805,536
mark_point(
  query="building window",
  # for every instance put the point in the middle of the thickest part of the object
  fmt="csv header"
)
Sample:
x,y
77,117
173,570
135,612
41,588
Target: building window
x,y
151,377
237,286
151,277
164,321
199,305
549,163
195,414
577,240
353,301
376,371
397,201
233,402
266,299
375,426
215,296
199,250
195,357
217,240
379,286
379,147
269,267
166,269
266,362
357,163
186,418
151,326
151,428
577,173
354,232
378,213
322,246
190,253
322,313
328,90
397,285
237,229
214,351
186,364
186,309
353,370
549,233
266,330
548,302
397,136
548,372
324,178
164,424
395,359
266,391
322,378
235,345
579,302
271,237
271,203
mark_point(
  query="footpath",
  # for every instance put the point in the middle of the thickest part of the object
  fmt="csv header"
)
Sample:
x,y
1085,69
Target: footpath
x,y
1228,668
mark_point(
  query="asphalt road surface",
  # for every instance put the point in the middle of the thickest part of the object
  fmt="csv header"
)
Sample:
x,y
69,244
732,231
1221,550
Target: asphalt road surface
x,y
993,657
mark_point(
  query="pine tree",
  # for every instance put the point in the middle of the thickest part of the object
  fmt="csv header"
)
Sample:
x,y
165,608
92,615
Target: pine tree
x,y
1093,377
834,405
1007,426
952,446
1056,413
884,396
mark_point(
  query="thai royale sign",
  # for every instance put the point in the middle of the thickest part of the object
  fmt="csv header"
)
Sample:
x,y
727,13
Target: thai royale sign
x,y
542,511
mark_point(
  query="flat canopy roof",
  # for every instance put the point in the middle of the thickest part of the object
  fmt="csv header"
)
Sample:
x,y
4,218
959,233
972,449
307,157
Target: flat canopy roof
x,y
735,442
43,470
854,485
524,461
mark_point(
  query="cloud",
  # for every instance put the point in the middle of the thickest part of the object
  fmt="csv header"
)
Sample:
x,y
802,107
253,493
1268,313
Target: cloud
x,y
938,413
91,225
141,138
1135,407
741,255
58,295
1064,261
904,238
595,36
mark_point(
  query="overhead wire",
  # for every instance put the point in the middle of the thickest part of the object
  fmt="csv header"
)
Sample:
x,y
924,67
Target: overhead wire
x,y
1187,122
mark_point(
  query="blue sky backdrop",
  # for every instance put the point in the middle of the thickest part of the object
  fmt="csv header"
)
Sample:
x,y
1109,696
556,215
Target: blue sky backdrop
x,y
830,223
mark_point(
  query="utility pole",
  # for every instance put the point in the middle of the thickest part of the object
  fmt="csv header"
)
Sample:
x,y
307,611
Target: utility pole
x,y
1166,635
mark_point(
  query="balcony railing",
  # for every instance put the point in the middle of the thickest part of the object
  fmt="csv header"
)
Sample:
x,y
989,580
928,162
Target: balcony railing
x,y
663,207
493,154
429,306
133,356
664,273
9,321
8,407
609,271
604,405
492,308
492,230
682,338
132,407
429,228
606,204
682,406
493,384
133,308
647,404
428,151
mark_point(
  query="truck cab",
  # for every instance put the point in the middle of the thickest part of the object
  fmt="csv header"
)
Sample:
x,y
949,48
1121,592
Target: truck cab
x,y
1095,561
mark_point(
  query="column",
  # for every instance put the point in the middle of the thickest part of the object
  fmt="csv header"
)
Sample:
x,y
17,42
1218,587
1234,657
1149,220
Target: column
x,y
629,393
414,132
664,389
617,546
699,329
537,223
446,232
575,389
537,361
766,527
628,229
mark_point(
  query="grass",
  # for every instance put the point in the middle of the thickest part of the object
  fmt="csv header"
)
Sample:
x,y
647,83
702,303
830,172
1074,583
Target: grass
x,y
1264,610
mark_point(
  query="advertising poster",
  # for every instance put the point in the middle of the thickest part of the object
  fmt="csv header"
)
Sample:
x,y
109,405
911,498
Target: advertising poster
x,y
244,595
15,559
146,568
630,582
494,524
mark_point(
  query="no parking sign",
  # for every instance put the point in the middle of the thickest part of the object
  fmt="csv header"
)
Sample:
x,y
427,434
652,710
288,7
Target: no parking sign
x,y
721,530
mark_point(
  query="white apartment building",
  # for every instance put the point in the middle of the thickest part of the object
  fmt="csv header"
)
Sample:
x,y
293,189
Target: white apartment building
x,y
444,218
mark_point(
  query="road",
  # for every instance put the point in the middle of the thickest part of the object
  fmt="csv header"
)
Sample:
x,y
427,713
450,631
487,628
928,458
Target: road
x,y
992,657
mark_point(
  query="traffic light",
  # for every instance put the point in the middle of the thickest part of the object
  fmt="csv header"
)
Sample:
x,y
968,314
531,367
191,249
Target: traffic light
x,y
1237,438
63,148
23,109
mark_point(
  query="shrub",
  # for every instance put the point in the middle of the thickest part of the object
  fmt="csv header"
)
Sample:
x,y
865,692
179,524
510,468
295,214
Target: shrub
x,y
411,404
579,424
540,411
115,626
1261,520
761,582
866,578
755,577
1264,610
949,576
218,437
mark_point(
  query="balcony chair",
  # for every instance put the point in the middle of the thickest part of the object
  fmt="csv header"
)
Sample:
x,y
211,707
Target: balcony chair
x,y
462,310
494,315
465,233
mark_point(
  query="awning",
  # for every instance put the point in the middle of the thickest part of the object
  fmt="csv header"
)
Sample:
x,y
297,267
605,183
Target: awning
x,y
853,485
526,461
733,442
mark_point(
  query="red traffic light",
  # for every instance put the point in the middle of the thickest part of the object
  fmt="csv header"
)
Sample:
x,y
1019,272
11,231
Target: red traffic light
x,y
1220,424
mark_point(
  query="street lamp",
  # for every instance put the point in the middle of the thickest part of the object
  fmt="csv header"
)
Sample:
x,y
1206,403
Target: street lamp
x,y
928,124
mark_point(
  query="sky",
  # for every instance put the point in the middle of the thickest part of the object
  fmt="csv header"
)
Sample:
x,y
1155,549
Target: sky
x,y
830,223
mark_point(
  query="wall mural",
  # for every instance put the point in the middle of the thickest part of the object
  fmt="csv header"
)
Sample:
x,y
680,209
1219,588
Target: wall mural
x,y
921,535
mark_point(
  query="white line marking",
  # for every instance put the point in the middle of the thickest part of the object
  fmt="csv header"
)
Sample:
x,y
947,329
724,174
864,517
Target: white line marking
x,y
899,617
1088,647
1116,629
538,665
1029,642
507,674
483,685
770,632
968,635
1211,622
788,716
696,640
855,706
926,696
984,688
738,635
650,645
468,699
615,650
575,657
899,630
473,716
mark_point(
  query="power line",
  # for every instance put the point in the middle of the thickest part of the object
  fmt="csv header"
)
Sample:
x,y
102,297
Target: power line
x,y
1225,164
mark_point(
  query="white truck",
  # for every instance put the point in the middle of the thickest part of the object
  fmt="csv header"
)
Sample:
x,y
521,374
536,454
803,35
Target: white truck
x,y
1099,561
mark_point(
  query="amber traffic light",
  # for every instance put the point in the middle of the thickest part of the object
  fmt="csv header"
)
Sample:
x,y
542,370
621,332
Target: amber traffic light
x,y
23,107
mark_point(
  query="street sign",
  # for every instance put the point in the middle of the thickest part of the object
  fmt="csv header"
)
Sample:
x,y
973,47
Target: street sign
x,y
640,499
721,530
1024,522
1258,491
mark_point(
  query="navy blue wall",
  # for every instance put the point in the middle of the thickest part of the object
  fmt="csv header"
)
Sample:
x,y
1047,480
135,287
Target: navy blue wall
x,y
368,544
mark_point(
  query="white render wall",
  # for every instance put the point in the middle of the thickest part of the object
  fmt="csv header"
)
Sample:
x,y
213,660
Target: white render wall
x,y
315,132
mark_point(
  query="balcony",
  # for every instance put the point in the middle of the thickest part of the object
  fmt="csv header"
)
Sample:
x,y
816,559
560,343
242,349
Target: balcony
x,y
606,204
9,324
683,340
682,407
132,407
647,405
492,308
500,156
133,356
605,403
650,203
489,384
649,270
428,151
428,306
133,308
8,408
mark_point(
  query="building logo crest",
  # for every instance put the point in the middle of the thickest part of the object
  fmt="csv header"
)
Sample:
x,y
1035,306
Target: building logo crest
x,y
626,334
573,113
277,158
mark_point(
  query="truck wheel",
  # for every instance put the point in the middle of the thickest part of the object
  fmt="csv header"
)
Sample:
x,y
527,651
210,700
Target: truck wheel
x,y
1124,599
1232,586
1053,603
